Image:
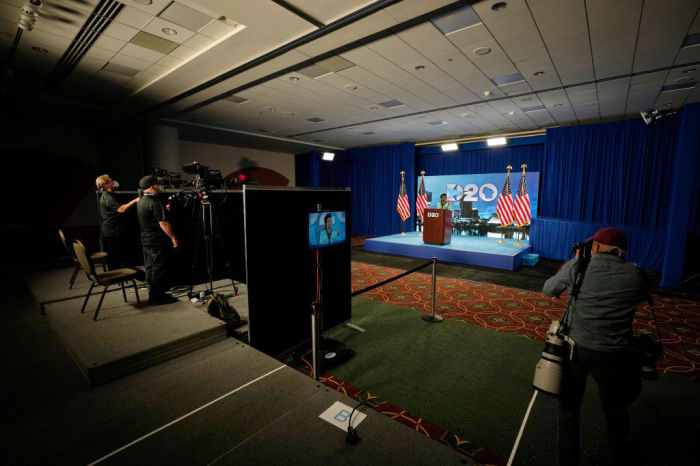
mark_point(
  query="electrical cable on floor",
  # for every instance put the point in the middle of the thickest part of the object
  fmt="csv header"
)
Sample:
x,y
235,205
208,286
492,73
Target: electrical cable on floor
x,y
351,436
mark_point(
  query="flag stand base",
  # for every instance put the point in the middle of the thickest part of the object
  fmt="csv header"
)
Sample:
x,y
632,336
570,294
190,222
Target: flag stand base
x,y
501,240
402,234
517,243
420,234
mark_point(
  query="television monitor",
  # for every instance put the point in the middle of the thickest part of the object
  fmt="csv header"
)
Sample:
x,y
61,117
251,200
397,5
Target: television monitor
x,y
326,229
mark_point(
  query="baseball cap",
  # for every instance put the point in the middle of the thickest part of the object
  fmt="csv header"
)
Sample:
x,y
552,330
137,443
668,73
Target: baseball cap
x,y
148,181
611,236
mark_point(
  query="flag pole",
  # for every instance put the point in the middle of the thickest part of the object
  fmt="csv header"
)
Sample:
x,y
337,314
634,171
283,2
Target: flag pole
x,y
520,236
420,223
403,222
508,168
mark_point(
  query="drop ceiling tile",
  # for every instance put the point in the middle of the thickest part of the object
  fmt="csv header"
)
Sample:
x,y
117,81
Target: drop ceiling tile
x,y
120,31
141,53
185,16
154,43
153,8
99,53
465,38
182,52
133,17
109,43
198,42
131,62
157,25
216,30
169,61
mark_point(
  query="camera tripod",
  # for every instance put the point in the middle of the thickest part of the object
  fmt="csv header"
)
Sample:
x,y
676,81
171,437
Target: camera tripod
x,y
208,225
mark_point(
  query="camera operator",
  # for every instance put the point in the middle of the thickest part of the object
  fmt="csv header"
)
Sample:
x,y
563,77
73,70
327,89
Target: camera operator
x,y
156,234
111,211
600,324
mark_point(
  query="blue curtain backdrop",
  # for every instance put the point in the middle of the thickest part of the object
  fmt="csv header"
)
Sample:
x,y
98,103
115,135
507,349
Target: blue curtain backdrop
x,y
615,173
373,173
481,160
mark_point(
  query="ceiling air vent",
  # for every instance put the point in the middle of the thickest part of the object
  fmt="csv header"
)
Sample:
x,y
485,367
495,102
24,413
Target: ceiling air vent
x,y
101,17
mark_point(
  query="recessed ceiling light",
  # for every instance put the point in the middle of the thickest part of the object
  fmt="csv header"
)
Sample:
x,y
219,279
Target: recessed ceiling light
x,y
683,79
526,99
499,6
290,113
419,68
350,87
511,113
294,78
538,73
556,105
271,109
144,2
374,108
487,93
169,31
481,51
40,50
466,115
688,71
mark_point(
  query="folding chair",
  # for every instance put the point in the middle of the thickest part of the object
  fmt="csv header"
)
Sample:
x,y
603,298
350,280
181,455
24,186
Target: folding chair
x,y
98,257
105,279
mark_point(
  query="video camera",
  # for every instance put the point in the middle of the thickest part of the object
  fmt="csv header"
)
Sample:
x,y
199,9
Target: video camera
x,y
205,177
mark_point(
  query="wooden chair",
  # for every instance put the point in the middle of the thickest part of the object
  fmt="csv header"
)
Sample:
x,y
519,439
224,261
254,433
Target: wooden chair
x,y
105,279
97,257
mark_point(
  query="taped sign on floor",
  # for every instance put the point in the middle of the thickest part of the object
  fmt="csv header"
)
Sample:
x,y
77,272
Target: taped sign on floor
x,y
339,415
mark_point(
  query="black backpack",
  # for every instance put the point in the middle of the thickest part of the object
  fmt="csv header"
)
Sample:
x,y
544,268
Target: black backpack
x,y
219,307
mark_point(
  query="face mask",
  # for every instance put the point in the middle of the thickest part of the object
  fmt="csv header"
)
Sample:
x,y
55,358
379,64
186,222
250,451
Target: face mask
x,y
116,184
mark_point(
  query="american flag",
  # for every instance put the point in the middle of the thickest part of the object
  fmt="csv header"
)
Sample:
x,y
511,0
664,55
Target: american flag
x,y
402,205
422,199
522,203
505,203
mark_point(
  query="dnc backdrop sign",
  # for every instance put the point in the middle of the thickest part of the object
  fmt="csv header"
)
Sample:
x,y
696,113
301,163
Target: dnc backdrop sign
x,y
479,191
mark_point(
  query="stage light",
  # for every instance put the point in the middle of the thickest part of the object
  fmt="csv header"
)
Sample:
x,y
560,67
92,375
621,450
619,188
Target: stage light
x,y
651,116
496,142
328,156
449,147
241,178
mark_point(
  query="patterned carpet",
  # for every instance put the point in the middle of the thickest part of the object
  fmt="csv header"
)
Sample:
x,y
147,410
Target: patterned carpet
x,y
478,454
528,313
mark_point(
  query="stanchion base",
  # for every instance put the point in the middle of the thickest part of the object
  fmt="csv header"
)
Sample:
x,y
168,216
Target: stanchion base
x,y
402,234
420,234
517,243
501,241
431,318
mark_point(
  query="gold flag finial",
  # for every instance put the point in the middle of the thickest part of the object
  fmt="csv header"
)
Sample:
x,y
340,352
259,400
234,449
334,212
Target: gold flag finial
x,y
402,172
523,166
509,168
422,173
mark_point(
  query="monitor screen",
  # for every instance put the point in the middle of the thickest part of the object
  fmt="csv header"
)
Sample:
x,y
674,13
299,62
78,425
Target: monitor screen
x,y
326,228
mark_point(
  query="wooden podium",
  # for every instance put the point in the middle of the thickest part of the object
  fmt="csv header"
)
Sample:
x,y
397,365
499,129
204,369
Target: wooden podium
x,y
437,226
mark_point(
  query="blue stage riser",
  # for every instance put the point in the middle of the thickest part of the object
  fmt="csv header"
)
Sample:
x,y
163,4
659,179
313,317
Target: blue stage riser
x,y
469,250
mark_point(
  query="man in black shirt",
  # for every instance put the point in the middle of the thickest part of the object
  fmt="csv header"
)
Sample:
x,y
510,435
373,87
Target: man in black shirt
x,y
156,235
111,211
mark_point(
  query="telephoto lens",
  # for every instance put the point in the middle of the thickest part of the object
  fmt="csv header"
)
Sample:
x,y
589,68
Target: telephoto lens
x,y
549,370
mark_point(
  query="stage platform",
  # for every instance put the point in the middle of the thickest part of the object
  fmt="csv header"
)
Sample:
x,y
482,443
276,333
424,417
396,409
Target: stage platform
x,y
125,338
470,250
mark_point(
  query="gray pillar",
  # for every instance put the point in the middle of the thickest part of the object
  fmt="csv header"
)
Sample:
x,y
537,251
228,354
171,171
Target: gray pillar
x,y
161,148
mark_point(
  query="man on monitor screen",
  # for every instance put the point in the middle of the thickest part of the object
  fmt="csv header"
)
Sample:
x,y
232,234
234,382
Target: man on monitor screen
x,y
328,235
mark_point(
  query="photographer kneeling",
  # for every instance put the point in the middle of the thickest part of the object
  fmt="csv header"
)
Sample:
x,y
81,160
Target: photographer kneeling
x,y
600,323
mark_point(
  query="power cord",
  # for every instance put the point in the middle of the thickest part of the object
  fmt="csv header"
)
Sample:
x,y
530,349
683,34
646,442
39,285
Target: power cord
x,y
351,436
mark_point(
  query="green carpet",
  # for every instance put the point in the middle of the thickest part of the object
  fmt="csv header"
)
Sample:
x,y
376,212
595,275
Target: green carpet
x,y
476,383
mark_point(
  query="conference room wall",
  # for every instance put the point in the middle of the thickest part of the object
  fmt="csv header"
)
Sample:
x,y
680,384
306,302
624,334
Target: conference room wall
x,y
229,159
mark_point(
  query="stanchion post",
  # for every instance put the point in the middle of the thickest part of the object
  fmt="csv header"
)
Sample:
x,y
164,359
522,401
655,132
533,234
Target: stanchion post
x,y
432,317
315,343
